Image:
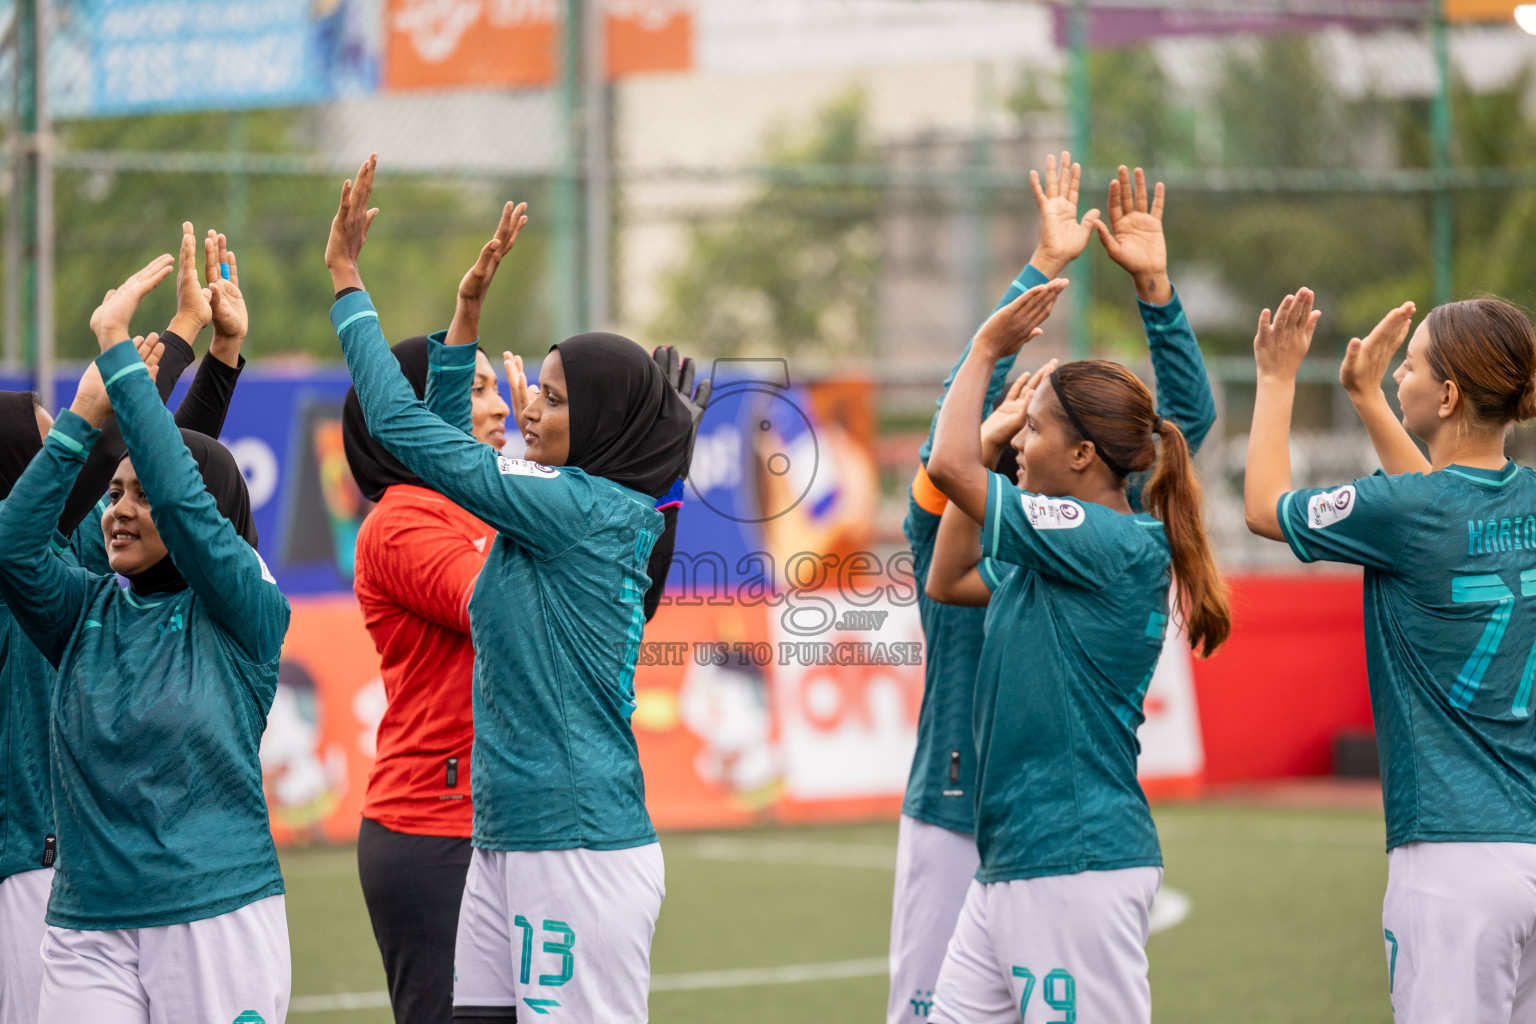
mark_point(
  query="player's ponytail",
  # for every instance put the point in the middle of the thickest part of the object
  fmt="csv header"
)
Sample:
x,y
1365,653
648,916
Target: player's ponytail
x,y
1110,407
1174,496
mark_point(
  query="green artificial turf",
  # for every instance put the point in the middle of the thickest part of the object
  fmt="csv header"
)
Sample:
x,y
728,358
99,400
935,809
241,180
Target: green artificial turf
x,y
1284,922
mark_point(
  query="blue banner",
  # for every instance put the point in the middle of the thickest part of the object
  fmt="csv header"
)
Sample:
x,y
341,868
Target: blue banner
x,y
143,56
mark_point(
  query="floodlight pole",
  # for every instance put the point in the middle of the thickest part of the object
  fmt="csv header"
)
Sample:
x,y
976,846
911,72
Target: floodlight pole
x,y
1440,139
1079,102
565,252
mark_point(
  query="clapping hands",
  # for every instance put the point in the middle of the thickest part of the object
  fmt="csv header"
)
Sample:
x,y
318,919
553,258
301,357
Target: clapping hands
x,y
1133,237
1281,342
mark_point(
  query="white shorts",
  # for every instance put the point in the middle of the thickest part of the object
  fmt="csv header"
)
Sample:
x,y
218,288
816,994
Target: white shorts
x,y
234,967
1459,923
934,870
1065,947
559,928
23,902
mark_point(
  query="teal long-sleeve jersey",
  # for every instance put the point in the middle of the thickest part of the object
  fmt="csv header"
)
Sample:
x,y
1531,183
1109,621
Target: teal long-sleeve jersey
x,y
941,786
160,701
556,617
1450,640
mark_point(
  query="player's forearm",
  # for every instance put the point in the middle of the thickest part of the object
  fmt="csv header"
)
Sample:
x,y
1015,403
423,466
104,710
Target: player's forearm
x,y
952,574
1268,469
1394,447
955,465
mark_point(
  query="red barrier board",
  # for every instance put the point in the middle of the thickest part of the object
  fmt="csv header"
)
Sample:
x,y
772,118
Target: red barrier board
x,y
1290,678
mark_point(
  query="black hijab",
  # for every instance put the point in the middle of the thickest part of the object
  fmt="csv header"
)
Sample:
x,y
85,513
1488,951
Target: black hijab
x,y
222,478
19,440
373,468
627,424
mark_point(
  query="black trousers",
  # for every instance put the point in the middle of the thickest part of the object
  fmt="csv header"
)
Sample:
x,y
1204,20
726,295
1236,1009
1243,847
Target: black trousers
x,y
413,885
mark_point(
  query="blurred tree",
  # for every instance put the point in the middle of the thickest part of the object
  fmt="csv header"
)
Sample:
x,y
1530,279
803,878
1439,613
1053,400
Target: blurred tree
x,y
430,229
794,267
1275,108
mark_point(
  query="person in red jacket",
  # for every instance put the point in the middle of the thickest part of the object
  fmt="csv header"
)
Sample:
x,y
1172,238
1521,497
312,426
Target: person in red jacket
x,y
418,555
417,558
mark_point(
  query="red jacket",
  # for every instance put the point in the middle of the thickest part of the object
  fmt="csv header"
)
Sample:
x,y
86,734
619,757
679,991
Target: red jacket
x,y
417,558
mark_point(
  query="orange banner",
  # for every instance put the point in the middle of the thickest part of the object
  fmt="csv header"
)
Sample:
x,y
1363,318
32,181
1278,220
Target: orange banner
x,y
435,44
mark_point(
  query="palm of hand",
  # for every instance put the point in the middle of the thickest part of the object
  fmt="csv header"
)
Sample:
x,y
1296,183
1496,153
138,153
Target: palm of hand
x,y
229,316
1139,242
1060,231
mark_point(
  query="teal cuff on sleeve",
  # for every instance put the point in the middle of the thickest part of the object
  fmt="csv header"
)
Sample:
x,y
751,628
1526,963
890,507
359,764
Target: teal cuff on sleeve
x,y
1283,513
988,569
993,523
450,357
1167,315
1029,277
119,359
74,433
351,307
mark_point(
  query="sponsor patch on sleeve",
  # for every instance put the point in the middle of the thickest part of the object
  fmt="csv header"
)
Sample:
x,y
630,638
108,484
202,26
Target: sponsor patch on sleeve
x,y
266,573
523,467
1053,513
1330,507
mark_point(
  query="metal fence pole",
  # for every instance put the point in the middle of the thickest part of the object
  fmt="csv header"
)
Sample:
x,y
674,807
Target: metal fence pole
x,y
1080,101
1440,132
598,178
43,184
15,207
565,252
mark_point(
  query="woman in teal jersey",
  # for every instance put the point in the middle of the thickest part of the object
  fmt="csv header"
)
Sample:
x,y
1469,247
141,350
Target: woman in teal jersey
x,y
566,879
167,903
1076,586
28,839
1450,634
936,847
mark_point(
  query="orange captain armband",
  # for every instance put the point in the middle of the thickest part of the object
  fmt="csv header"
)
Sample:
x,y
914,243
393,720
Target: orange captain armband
x,y
928,497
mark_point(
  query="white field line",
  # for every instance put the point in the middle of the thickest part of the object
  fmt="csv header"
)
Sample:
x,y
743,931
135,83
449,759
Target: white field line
x,y
789,851
692,981
1170,908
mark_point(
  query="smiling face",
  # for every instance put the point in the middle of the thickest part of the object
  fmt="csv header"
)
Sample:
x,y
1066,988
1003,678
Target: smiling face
x,y
548,434
1423,399
133,543
1047,456
490,411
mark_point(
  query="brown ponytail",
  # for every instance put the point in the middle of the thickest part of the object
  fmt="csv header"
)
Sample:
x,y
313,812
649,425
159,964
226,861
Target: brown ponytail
x,y
1487,346
1116,409
1174,496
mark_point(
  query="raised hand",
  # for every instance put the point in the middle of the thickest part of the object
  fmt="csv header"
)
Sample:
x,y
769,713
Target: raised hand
x,y
1062,237
678,372
1366,359
349,228
193,309
110,320
1008,418
478,281
517,381
1016,324
1281,343
465,327
231,320
1134,235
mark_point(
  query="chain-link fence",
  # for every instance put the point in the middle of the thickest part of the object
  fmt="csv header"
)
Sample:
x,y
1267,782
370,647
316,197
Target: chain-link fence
x,y
846,184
